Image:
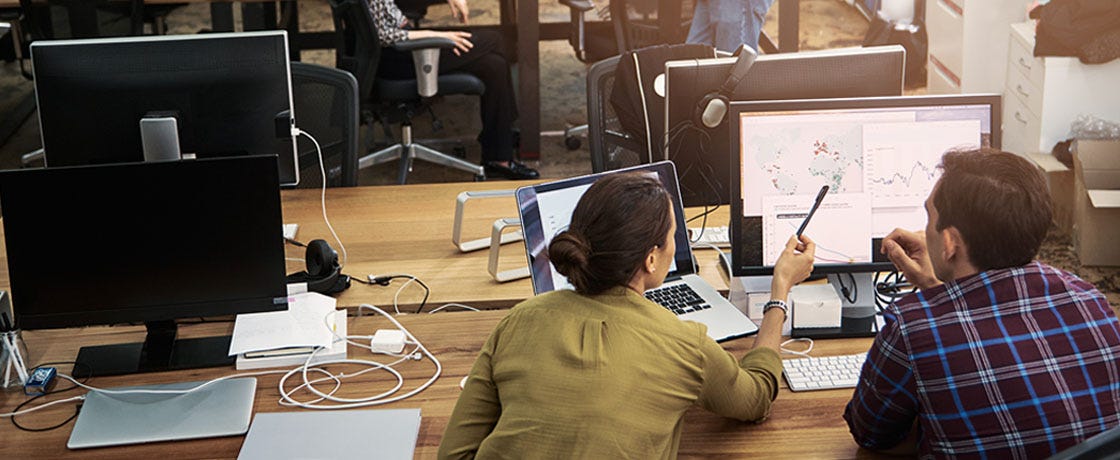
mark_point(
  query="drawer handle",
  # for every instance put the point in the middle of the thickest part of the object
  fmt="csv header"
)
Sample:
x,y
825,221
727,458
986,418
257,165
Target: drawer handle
x,y
1024,63
1020,118
1020,90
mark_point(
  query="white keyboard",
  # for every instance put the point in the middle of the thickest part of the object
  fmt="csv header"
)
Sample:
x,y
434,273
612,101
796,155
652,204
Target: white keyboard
x,y
718,236
823,373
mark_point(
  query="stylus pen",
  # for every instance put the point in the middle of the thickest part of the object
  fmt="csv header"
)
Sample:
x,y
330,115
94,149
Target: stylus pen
x,y
813,210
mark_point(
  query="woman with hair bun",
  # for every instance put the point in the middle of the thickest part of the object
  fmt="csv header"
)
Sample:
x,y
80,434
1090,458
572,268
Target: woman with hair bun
x,y
602,372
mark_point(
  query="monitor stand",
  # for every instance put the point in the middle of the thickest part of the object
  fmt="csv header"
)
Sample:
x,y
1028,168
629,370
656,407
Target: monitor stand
x,y
857,319
160,351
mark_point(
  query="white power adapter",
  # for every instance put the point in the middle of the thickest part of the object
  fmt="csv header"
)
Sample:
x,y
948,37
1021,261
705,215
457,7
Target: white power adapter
x,y
387,341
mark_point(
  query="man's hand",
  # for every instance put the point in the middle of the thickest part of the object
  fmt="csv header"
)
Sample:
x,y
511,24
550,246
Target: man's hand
x,y
793,266
461,39
907,251
460,10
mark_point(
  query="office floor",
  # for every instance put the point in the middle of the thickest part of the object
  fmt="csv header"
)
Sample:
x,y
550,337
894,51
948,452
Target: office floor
x,y
824,24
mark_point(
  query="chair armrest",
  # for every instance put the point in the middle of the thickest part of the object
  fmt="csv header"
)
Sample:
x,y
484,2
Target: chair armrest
x,y
422,43
578,5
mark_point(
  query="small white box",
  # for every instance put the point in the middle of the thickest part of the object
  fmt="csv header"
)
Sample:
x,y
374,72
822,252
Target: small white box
x,y
387,341
814,306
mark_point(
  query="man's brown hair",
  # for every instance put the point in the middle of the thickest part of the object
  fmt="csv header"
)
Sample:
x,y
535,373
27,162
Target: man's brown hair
x,y
999,203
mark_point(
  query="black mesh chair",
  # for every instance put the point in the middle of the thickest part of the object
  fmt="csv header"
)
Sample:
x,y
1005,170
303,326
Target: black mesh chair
x,y
326,106
397,101
611,147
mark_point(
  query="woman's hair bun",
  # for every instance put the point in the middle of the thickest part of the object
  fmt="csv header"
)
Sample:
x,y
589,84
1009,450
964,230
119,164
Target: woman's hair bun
x,y
570,254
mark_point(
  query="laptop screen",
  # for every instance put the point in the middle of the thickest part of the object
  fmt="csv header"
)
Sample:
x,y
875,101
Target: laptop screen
x,y
546,209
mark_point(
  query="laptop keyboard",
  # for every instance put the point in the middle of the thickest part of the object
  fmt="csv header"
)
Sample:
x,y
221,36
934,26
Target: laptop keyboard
x,y
678,298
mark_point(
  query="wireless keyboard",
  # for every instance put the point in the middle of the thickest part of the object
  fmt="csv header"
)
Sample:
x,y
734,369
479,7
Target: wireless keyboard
x,y
823,373
718,236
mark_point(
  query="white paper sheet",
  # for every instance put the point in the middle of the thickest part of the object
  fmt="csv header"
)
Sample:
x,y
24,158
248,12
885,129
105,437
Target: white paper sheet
x,y
304,324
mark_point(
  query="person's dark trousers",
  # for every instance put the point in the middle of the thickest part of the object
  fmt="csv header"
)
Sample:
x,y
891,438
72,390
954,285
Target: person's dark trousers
x,y
485,61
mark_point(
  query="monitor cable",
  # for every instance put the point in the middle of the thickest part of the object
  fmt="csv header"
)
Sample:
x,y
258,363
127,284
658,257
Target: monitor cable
x,y
323,192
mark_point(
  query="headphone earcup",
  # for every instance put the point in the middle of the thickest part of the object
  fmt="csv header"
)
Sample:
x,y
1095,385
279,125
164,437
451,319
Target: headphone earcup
x,y
714,111
322,260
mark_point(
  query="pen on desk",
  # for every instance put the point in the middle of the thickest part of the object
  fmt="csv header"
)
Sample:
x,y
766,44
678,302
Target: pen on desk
x,y
813,210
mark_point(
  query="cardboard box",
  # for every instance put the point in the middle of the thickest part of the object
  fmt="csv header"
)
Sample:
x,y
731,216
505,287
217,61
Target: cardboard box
x,y
1096,219
1059,179
814,306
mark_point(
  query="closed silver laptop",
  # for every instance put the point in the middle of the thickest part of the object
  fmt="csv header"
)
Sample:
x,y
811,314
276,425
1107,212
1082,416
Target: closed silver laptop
x,y
223,408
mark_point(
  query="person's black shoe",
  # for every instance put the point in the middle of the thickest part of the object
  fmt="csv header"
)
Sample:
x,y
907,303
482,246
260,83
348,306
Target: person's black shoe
x,y
515,170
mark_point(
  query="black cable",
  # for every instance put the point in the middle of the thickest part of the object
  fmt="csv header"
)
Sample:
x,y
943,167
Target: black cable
x,y
292,241
385,280
77,409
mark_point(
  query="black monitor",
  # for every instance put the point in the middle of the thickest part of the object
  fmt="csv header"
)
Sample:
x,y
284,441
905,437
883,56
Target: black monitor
x,y
144,242
700,153
879,156
229,94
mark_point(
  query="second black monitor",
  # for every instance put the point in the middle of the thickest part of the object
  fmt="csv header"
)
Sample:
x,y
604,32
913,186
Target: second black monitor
x,y
230,94
701,154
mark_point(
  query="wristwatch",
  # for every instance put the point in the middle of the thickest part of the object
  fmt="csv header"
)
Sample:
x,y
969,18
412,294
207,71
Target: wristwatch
x,y
780,304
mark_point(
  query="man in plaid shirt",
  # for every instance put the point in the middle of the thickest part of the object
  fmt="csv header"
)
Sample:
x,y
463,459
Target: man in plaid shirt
x,y
996,356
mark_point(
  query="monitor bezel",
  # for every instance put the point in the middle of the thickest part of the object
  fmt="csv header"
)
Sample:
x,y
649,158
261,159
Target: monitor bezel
x,y
738,268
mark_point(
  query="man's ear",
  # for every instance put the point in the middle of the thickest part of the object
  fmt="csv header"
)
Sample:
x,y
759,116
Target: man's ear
x,y
953,245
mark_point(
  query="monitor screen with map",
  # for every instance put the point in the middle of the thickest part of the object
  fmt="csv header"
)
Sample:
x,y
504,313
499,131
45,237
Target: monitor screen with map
x,y
879,157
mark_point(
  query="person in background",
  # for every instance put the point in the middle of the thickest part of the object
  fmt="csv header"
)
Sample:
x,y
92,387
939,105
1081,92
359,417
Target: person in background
x,y
996,355
728,24
602,372
477,53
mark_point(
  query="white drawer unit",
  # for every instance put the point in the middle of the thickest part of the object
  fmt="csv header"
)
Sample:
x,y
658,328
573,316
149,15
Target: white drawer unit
x,y
1042,96
968,45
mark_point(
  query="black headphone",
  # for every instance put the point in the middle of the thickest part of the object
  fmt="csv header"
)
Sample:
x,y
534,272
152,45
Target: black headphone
x,y
712,108
324,274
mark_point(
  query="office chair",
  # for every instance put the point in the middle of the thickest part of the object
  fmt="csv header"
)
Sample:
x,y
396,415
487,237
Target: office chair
x,y
623,25
611,147
388,101
1103,446
325,100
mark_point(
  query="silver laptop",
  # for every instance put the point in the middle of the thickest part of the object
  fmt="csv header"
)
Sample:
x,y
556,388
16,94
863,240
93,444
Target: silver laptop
x,y
220,409
546,209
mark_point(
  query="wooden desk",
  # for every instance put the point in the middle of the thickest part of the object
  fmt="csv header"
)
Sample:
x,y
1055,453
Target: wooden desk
x,y
802,425
407,229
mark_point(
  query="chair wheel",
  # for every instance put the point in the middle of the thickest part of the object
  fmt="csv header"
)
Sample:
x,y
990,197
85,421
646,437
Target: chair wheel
x,y
480,178
572,142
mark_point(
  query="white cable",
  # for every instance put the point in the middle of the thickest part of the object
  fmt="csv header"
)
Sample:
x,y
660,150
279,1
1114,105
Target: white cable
x,y
323,196
44,406
705,245
803,353
350,403
459,305
166,392
411,279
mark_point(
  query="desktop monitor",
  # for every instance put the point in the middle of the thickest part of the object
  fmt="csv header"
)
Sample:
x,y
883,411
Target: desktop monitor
x,y
879,156
144,242
701,153
227,94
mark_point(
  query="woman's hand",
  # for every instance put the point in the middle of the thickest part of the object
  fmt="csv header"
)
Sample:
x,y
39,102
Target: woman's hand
x,y
461,39
793,266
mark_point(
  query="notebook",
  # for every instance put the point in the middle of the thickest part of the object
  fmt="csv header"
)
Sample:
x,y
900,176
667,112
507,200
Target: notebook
x,y
546,209
372,433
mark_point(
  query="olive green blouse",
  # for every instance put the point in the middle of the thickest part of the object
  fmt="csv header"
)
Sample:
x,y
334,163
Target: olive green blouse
x,y
606,376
